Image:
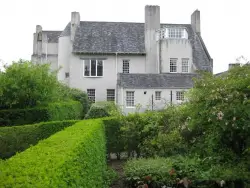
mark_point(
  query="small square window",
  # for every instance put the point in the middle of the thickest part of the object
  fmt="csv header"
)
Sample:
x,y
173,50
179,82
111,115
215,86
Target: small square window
x,y
145,92
180,95
158,95
110,95
130,98
125,66
184,65
91,95
173,64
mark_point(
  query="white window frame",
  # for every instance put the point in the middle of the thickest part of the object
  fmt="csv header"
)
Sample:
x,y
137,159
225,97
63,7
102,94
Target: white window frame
x,y
180,95
130,100
157,95
171,65
125,69
110,96
90,67
185,65
90,97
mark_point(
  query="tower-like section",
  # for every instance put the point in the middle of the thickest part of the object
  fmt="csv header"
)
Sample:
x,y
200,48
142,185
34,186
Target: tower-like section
x,y
152,24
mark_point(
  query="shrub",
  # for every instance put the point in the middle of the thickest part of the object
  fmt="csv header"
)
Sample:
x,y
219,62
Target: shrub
x,y
18,138
26,85
115,141
177,170
101,109
53,112
74,157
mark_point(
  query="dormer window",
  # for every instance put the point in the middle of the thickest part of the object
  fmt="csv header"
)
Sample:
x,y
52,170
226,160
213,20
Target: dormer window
x,y
172,33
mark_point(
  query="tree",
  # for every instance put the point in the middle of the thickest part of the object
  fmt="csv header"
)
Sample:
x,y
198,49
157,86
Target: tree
x,y
24,84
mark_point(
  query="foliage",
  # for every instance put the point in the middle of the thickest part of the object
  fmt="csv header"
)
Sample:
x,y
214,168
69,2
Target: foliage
x,y
115,141
109,176
74,157
76,95
177,170
19,138
52,112
26,85
219,115
101,109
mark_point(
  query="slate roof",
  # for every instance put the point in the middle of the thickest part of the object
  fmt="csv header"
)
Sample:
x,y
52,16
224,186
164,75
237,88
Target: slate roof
x,y
52,36
152,81
128,38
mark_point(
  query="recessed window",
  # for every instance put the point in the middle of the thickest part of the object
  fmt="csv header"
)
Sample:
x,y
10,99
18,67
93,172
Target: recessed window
x,y
125,66
130,98
184,65
158,95
91,95
180,95
110,95
39,36
66,74
175,32
93,68
173,64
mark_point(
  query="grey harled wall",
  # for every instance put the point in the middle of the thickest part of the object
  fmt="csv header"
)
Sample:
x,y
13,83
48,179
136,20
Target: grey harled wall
x,y
152,23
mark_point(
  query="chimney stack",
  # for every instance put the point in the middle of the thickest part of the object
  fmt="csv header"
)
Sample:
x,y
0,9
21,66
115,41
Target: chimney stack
x,y
232,65
75,22
152,24
196,22
38,28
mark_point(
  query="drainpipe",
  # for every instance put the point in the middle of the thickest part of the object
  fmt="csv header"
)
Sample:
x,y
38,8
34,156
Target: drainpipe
x,y
116,66
122,99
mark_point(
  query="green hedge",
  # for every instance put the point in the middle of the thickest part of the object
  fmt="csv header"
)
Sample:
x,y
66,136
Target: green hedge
x,y
53,112
74,157
18,138
173,171
101,109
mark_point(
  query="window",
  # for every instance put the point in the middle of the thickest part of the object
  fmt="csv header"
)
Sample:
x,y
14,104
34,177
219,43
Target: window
x,y
66,74
176,33
158,95
184,65
91,95
125,66
93,68
180,95
173,65
130,98
110,95
39,36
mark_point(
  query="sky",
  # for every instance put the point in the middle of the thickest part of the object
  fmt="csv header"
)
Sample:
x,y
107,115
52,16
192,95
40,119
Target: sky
x,y
225,24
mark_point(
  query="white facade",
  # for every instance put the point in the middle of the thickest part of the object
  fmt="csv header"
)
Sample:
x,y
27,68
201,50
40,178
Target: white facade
x,y
167,50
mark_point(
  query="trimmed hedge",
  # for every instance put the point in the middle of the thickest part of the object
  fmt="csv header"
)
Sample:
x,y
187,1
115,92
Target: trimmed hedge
x,y
18,138
53,112
101,109
74,157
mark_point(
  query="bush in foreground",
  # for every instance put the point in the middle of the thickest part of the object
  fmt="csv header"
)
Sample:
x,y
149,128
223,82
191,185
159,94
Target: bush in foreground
x,y
178,170
74,157
18,138
52,112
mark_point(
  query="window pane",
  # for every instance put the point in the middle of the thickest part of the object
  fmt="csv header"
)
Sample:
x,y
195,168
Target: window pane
x,y
91,94
130,101
93,67
173,65
99,68
86,67
180,95
125,68
185,65
110,95
157,95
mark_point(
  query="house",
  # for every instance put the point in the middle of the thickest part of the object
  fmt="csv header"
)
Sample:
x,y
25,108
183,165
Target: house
x,y
149,63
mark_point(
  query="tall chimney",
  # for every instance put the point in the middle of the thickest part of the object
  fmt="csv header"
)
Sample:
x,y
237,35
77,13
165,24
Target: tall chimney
x,y
75,21
196,22
152,23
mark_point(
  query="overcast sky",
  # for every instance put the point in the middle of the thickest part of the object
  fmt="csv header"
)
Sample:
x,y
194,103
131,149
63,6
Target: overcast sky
x,y
225,24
